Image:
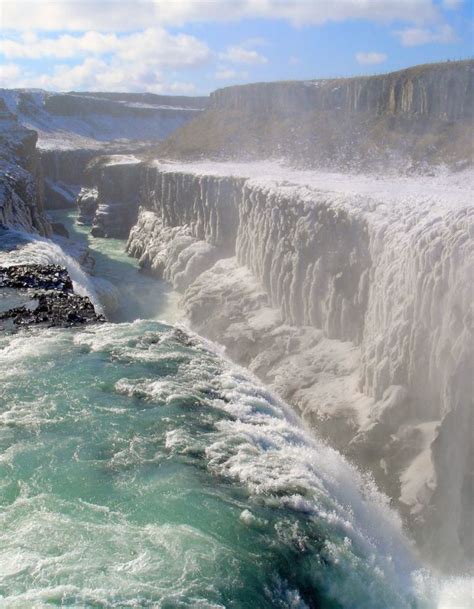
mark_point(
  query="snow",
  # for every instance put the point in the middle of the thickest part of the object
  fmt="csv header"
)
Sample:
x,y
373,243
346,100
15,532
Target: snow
x,y
122,159
349,295
94,130
370,193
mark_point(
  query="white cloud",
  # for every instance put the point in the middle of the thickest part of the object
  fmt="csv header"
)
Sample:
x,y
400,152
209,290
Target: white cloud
x,y
416,36
9,71
95,74
371,58
129,62
110,15
153,45
30,46
243,54
294,61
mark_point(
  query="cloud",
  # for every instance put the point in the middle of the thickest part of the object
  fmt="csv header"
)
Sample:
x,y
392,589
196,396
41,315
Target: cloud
x,y
9,71
113,16
243,54
127,62
153,45
371,58
293,60
94,74
30,46
416,36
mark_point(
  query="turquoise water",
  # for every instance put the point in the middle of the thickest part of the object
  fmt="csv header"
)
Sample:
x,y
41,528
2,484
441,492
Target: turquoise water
x,y
138,296
140,469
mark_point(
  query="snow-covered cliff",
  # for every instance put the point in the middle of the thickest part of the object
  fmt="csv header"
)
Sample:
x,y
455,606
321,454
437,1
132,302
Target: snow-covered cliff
x,y
71,121
21,199
351,297
73,128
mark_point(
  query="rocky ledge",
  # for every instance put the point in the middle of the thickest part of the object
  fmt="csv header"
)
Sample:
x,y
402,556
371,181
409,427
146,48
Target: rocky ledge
x,y
46,297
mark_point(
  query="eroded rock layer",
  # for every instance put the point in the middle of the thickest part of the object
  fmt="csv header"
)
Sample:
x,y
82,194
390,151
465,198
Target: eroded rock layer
x,y
21,185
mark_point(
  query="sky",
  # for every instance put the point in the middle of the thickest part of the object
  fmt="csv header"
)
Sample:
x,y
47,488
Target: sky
x,y
192,47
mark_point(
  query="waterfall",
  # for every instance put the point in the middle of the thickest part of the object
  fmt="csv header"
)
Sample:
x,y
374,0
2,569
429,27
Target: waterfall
x,y
350,295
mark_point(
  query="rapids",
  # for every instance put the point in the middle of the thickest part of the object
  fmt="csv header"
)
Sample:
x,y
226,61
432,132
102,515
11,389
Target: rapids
x,y
140,468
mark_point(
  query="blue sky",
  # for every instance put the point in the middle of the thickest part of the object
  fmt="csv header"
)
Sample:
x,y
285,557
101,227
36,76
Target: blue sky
x,y
196,46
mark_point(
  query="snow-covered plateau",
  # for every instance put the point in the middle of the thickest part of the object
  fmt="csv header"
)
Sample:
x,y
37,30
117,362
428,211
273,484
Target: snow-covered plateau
x,y
349,295
74,128
71,121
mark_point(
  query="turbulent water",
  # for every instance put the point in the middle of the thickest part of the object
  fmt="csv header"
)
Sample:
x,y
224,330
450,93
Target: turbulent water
x,y
139,468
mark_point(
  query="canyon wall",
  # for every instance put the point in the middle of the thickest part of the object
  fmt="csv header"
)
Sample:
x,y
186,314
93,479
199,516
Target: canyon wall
x,y
353,305
439,91
74,128
408,120
21,180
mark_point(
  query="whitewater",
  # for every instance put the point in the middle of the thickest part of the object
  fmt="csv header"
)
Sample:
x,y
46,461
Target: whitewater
x,y
141,468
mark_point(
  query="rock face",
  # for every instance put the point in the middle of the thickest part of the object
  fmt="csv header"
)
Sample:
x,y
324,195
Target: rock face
x,y
421,116
116,198
21,194
74,128
351,299
51,302
438,91
87,203
26,276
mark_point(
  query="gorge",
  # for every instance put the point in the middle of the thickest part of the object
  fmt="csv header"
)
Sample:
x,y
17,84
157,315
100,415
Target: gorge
x,y
347,293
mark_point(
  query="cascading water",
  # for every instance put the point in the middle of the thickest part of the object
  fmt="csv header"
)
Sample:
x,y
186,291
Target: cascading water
x,y
139,468
38,250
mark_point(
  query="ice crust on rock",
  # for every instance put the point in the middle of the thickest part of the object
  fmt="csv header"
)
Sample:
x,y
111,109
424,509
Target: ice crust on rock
x,y
21,200
351,296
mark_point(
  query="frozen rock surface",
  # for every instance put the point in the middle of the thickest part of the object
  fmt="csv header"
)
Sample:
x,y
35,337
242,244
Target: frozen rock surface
x,y
73,128
87,121
349,295
21,187
116,197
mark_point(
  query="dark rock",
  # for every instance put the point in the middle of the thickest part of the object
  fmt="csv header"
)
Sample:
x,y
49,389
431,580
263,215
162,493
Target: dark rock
x,y
97,231
59,195
183,338
55,305
37,276
60,229
87,202
55,309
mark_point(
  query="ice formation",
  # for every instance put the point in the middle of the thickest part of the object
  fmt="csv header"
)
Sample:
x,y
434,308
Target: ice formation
x,y
351,296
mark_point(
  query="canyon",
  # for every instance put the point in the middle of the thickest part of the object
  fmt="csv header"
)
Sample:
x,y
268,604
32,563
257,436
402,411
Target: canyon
x,y
348,292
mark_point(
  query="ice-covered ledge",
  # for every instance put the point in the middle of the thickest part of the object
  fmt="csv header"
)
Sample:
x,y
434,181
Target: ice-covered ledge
x,y
351,296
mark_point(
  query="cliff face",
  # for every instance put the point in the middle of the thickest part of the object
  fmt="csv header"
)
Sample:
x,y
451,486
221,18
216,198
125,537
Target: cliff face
x,y
439,91
129,105
74,128
351,299
21,194
415,117
112,208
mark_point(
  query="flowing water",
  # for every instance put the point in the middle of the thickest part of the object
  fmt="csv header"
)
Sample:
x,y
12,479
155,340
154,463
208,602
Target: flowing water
x,y
140,469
